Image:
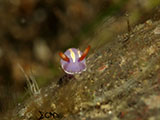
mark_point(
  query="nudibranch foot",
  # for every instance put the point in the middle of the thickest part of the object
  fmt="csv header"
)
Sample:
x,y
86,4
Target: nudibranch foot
x,y
64,79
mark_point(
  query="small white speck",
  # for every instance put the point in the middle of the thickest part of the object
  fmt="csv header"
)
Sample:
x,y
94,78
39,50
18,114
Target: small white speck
x,y
85,87
109,112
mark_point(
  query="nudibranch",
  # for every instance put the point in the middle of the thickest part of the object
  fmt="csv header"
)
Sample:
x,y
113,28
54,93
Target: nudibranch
x,y
73,60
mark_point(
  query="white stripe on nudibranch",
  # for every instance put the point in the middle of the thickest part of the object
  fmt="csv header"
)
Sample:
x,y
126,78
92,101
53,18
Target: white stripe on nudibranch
x,y
72,54
79,53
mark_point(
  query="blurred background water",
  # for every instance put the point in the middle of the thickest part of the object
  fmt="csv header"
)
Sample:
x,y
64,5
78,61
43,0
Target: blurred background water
x,y
32,32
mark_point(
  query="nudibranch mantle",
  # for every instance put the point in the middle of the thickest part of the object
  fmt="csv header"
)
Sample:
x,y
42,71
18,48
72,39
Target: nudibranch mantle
x,y
73,60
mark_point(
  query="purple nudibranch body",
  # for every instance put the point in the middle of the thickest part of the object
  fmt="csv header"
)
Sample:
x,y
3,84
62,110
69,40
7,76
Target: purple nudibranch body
x,y
73,60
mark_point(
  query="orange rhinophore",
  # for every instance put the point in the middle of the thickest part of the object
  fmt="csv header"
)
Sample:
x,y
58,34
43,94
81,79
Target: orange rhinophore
x,y
85,53
64,57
